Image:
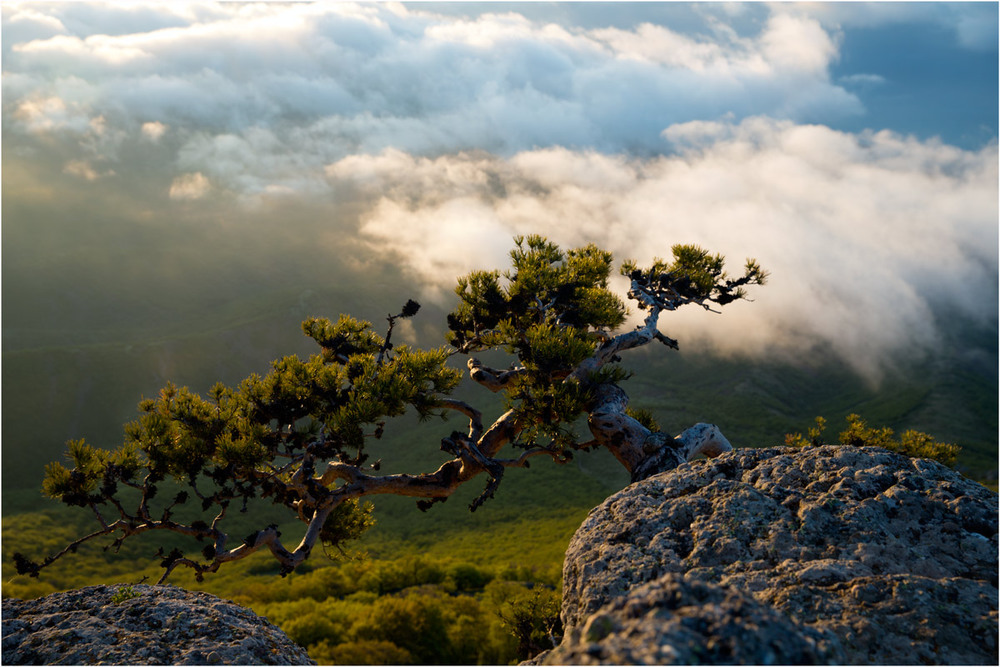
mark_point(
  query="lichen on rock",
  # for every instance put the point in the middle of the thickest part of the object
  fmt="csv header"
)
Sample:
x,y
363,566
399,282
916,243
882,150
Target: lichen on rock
x,y
154,625
864,556
674,620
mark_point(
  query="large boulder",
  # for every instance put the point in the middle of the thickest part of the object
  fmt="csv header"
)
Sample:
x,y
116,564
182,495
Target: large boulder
x,y
675,620
819,555
157,625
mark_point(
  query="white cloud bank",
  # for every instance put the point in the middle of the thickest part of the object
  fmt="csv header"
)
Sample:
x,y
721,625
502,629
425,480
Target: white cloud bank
x,y
864,235
306,84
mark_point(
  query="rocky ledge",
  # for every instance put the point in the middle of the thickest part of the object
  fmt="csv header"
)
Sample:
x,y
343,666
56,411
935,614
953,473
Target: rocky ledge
x,y
159,625
824,555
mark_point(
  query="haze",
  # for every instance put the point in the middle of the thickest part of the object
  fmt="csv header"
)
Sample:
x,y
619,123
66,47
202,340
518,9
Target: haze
x,y
161,160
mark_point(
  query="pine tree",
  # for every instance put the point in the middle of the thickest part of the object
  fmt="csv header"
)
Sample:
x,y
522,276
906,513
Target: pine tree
x,y
301,435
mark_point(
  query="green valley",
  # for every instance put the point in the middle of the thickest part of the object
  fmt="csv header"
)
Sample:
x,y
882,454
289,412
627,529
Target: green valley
x,y
462,573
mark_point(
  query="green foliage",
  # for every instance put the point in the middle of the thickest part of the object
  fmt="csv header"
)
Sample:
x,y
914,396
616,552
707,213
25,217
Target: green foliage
x,y
420,615
921,445
361,652
859,434
396,575
545,286
93,470
463,577
533,618
252,440
348,521
415,623
547,411
814,435
549,311
644,417
349,336
695,276
124,593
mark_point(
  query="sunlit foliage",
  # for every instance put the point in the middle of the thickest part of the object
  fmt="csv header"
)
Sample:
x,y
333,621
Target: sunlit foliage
x,y
859,434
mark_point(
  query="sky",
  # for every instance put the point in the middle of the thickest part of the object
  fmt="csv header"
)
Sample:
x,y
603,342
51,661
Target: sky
x,y
851,148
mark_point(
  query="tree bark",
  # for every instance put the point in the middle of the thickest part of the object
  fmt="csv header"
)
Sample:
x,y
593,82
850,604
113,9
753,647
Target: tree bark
x,y
641,451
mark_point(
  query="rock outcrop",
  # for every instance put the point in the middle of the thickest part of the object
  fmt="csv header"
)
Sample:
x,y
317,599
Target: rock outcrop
x,y
160,625
820,555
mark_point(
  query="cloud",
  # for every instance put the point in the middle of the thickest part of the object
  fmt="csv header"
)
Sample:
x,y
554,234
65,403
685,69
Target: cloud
x,y
327,80
189,186
43,115
100,49
974,24
796,44
27,24
153,131
863,80
976,27
83,169
866,236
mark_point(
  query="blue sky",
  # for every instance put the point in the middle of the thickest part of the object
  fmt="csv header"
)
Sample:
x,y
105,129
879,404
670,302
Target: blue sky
x,y
851,148
929,69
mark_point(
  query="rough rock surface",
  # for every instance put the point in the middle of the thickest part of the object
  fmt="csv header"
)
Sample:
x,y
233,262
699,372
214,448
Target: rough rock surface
x,y
162,625
705,624
826,554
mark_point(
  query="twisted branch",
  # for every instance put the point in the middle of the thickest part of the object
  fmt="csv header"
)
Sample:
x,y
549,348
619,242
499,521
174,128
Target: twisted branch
x,y
493,379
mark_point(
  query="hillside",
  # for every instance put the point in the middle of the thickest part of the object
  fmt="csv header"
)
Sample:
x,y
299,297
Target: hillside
x,y
448,563
70,383
80,372
86,383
